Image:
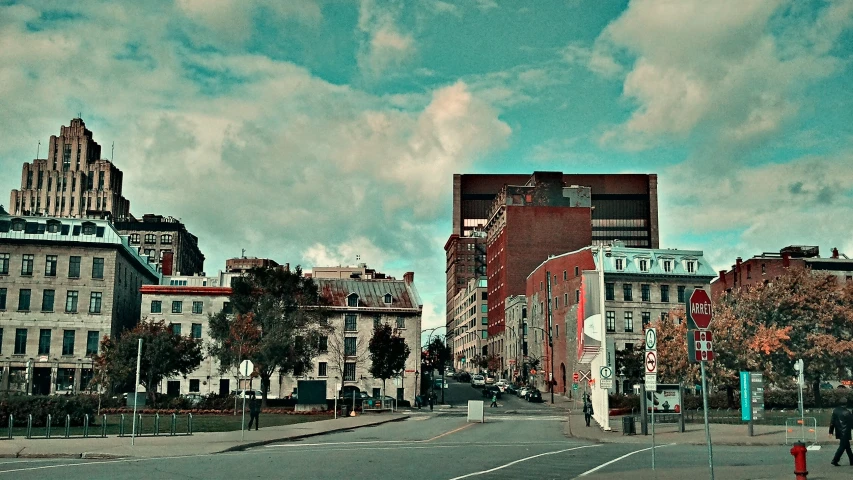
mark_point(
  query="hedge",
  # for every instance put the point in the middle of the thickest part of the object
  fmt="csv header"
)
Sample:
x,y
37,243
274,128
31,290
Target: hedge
x,y
775,399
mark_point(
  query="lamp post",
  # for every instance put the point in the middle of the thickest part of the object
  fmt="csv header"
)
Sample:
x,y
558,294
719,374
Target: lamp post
x,y
551,353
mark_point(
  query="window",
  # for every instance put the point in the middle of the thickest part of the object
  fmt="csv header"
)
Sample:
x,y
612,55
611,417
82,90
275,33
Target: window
x,y
4,263
322,369
71,302
27,265
349,372
44,341
620,264
47,300
226,308
2,299
627,292
20,341
377,321
68,342
663,316
50,266
349,346
566,299
74,267
681,294
664,293
134,239
558,329
350,323
388,298
691,266
53,226
18,225
352,300
95,302
97,267
565,275
748,271
150,238
156,306
484,334
646,292
194,385
177,306
609,291
401,322
577,271
667,266
763,269
166,238
88,227
24,299
92,338
197,308
196,331
610,321
646,318
644,264
175,328
324,344
629,321
484,321
151,254
577,296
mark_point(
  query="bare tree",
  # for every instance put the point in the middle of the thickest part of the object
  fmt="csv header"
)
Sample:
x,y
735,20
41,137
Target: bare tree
x,y
343,349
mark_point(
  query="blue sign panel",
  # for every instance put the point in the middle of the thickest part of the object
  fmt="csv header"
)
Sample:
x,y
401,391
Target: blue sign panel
x,y
745,397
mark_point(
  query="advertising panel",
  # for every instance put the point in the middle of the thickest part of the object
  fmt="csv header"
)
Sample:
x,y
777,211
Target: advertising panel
x,y
666,399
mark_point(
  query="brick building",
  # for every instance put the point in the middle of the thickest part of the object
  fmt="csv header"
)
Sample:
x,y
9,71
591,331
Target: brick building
x,y
64,284
467,335
72,182
166,242
765,267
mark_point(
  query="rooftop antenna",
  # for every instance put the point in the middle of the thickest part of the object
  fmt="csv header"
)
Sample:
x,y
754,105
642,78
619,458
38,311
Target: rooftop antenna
x,y
38,149
113,152
242,253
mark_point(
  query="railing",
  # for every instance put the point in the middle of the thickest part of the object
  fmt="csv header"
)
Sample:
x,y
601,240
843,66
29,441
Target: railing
x,y
801,429
771,416
90,429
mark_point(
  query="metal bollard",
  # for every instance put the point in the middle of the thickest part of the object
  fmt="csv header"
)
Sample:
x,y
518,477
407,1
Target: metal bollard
x,y
121,425
189,424
11,424
86,426
67,425
799,453
30,426
139,425
174,426
104,427
156,424
47,428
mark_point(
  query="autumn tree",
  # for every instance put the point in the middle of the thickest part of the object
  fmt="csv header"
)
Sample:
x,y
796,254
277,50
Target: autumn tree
x,y
287,321
673,366
388,353
164,355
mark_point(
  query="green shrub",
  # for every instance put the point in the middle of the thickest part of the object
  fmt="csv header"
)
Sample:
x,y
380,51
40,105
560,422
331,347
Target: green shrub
x,y
40,406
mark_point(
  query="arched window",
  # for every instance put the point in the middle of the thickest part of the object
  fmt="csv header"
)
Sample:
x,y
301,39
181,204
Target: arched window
x,y
18,224
352,300
388,298
166,238
134,239
53,226
88,228
150,238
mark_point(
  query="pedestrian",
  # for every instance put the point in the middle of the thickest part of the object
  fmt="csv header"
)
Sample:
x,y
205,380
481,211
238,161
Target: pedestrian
x,y
254,411
840,425
494,400
431,401
587,408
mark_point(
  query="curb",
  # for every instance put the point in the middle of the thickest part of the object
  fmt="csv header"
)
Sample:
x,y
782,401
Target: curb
x,y
245,446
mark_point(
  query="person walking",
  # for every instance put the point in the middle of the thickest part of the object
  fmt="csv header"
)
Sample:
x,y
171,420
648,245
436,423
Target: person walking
x,y
494,400
254,411
840,425
587,408
431,401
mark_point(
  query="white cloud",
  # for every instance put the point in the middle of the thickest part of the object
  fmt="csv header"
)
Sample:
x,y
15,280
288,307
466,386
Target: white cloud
x,y
384,47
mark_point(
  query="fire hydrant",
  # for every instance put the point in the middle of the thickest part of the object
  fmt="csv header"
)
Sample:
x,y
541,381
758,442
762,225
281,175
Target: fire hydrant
x,y
799,453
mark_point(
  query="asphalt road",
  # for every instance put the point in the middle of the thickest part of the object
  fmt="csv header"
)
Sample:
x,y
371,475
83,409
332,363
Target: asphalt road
x,y
518,440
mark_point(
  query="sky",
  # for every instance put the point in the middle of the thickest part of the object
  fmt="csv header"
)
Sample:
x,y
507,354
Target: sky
x,y
313,132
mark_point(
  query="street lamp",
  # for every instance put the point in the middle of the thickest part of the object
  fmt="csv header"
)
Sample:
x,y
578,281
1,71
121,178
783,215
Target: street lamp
x,y
551,353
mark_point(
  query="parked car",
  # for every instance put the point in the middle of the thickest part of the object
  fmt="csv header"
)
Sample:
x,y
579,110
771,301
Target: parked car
x,y
510,388
490,390
478,381
193,399
534,396
246,393
490,380
522,392
502,384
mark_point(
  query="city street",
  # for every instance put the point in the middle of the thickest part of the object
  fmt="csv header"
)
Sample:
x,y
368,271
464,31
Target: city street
x,y
518,440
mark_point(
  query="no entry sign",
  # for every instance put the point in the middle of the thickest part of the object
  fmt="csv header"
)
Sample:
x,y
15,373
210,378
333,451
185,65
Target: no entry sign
x,y
699,309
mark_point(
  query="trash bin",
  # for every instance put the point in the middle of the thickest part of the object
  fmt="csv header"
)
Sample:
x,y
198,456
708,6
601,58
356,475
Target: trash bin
x,y
628,425
344,411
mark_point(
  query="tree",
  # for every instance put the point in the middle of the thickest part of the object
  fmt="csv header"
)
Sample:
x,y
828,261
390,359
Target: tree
x,y
240,344
339,354
288,317
388,353
164,355
629,363
439,355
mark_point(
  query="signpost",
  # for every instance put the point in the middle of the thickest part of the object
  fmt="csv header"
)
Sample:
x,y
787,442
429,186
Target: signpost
x,y
606,376
246,369
751,398
699,315
651,368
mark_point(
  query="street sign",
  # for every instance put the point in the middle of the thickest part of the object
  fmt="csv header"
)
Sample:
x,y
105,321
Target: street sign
x,y
606,376
576,377
651,382
751,396
651,339
703,350
651,362
246,368
585,374
574,386
699,309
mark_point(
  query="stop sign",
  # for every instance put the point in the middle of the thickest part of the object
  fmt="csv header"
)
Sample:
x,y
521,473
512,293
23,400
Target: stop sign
x,y
576,377
699,308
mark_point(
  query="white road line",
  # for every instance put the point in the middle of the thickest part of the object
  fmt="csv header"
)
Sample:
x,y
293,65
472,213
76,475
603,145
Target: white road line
x,y
620,458
521,460
368,442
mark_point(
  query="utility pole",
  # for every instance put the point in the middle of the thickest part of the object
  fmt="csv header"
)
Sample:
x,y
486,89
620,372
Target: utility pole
x,y
550,337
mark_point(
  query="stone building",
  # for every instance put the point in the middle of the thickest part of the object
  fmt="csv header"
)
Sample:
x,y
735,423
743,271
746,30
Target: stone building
x,y
65,283
167,244
468,331
515,351
74,181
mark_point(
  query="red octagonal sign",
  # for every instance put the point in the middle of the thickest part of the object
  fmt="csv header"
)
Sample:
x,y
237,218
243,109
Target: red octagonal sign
x,y
699,308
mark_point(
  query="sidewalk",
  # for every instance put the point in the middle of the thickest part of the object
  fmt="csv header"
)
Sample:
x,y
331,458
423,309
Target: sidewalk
x,y
196,444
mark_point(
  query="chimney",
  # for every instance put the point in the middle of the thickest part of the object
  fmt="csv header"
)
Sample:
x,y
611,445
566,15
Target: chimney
x,y
723,277
786,259
409,277
738,280
834,252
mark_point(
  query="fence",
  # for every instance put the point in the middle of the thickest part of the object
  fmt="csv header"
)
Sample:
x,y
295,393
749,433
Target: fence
x,y
801,429
771,416
54,426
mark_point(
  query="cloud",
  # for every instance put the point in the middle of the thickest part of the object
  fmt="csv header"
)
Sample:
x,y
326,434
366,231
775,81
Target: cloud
x,y
383,47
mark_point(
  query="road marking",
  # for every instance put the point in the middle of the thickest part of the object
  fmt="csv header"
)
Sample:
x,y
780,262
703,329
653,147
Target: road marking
x,y
521,460
368,442
620,458
463,427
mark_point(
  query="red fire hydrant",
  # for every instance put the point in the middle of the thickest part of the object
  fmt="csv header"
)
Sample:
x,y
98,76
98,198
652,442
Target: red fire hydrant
x,y
799,453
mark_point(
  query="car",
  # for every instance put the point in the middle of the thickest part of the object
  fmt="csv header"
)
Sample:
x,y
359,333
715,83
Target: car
x,y
502,384
490,390
522,392
439,383
246,393
478,381
464,377
193,399
534,396
490,380
380,402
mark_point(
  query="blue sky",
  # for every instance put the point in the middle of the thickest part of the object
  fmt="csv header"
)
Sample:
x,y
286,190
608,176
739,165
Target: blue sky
x,y
314,131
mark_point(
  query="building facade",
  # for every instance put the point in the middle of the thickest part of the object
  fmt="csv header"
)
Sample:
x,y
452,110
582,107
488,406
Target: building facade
x,y
515,354
65,283
167,244
73,182
467,333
